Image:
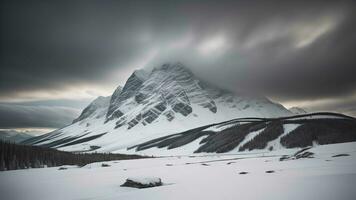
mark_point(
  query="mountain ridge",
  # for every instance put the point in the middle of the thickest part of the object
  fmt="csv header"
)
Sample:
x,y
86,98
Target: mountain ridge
x,y
263,134
166,100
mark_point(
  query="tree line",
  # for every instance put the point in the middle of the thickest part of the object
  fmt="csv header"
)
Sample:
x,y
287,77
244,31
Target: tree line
x,y
16,156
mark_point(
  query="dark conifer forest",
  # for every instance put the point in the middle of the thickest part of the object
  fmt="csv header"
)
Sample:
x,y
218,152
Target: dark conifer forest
x,y
15,156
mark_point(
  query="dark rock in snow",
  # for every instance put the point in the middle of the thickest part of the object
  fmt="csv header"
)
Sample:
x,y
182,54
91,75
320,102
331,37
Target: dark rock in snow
x,y
270,171
142,182
303,153
284,157
306,154
341,155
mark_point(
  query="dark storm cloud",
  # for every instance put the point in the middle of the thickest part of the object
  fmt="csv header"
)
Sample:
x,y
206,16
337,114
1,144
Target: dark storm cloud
x,y
51,44
286,50
45,113
275,66
46,45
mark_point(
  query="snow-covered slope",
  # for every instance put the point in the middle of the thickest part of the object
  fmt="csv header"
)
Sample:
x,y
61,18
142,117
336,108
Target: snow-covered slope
x,y
255,134
167,100
96,109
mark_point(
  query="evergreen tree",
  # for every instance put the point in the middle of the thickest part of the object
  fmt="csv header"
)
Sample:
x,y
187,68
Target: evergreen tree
x,y
14,156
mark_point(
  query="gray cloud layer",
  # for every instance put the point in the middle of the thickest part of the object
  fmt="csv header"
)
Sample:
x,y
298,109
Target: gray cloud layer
x,y
25,116
291,51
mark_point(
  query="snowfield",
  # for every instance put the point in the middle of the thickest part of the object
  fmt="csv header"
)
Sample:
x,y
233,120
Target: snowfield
x,y
200,176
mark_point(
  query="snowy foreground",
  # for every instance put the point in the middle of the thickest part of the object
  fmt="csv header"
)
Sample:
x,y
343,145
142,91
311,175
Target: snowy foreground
x,y
197,177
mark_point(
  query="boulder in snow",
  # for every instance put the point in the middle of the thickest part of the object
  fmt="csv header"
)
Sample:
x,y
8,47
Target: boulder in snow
x,y
270,171
341,155
142,182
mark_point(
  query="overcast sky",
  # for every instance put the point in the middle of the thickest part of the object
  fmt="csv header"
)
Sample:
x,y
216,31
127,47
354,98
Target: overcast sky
x,y
56,56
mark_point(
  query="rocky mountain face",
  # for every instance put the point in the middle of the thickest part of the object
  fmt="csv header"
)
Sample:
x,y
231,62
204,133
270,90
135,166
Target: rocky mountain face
x,y
167,91
167,100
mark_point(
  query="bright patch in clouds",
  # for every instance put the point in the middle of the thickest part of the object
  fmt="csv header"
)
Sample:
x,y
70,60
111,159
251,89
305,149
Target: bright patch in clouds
x,y
183,42
212,45
81,91
308,33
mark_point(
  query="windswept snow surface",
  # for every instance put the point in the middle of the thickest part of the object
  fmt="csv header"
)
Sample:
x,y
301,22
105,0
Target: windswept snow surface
x,y
209,177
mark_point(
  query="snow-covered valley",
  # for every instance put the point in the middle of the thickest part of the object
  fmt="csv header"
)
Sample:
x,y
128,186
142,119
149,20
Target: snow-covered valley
x,y
208,143
329,173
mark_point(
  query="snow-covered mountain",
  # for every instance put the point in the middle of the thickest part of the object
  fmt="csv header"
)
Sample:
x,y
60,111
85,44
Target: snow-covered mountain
x,y
297,110
167,100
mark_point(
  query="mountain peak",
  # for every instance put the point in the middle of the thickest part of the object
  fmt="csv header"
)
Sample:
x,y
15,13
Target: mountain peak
x,y
131,86
171,91
98,103
176,67
141,74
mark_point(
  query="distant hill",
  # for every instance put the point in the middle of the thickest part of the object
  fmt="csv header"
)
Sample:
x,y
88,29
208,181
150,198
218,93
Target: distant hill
x,y
297,110
14,136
